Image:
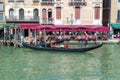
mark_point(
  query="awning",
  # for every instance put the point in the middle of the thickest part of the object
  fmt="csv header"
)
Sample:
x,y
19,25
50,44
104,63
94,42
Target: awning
x,y
92,28
116,26
29,26
7,25
102,29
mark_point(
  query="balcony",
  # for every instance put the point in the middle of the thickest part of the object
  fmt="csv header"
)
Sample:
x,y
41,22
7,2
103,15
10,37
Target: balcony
x,y
47,2
20,0
77,3
47,21
35,0
23,19
10,0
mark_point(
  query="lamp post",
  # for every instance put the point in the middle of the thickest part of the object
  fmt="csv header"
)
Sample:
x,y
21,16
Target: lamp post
x,y
71,23
71,19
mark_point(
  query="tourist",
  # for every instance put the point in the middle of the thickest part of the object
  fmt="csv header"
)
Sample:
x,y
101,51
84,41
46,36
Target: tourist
x,y
95,37
54,45
61,45
66,46
86,39
31,40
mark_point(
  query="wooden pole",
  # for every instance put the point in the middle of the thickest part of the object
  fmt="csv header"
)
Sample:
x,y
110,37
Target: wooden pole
x,y
4,35
15,38
35,37
44,33
9,36
29,34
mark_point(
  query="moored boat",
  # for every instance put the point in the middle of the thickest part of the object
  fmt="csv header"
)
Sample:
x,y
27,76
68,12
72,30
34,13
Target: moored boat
x,y
63,49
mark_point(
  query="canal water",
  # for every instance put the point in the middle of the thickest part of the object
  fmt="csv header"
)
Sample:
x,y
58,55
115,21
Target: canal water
x,y
26,64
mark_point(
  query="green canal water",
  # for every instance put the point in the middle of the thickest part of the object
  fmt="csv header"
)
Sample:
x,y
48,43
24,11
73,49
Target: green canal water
x,y
26,64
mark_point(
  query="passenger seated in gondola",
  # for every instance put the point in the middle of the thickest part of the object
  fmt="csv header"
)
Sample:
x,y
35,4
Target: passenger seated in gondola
x,y
43,44
61,45
66,46
54,45
31,40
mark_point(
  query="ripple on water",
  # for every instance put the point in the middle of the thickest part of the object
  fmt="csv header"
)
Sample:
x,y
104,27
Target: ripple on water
x,y
26,64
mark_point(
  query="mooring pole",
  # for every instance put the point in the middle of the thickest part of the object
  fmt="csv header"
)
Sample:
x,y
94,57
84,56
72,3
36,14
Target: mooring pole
x,y
15,38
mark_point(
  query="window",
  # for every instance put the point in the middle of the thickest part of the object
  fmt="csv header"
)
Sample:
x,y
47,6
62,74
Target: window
x,y
44,14
49,13
97,13
1,17
118,15
11,13
118,0
58,13
35,14
77,13
21,14
1,6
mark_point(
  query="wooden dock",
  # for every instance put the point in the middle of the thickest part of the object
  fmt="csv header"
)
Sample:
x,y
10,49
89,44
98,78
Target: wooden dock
x,y
10,43
7,42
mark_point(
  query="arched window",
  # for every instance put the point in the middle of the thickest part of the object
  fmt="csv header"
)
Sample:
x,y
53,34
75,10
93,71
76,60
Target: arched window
x,y
44,15
11,13
49,13
21,14
35,14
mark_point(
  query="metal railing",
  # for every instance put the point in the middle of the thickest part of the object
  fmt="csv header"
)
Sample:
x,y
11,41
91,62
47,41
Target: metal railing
x,y
47,21
10,0
77,2
22,18
47,2
36,0
20,0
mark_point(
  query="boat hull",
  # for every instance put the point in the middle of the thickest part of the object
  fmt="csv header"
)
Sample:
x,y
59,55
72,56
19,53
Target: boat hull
x,y
63,49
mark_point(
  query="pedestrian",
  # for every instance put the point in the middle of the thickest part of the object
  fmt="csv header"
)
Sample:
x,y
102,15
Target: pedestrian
x,y
86,39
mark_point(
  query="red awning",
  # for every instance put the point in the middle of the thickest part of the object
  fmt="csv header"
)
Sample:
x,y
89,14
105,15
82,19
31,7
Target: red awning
x,y
46,27
29,26
103,29
90,28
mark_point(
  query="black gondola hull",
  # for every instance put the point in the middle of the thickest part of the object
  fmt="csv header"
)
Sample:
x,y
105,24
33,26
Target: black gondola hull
x,y
63,49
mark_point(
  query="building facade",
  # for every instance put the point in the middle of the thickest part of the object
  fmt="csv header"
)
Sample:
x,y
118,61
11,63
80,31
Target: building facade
x,y
106,12
115,16
57,12
2,11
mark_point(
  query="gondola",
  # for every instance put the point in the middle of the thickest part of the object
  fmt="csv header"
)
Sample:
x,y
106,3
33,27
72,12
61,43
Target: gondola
x,y
63,49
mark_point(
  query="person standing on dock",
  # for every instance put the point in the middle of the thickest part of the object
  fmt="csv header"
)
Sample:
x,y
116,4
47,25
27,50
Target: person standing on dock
x,y
86,39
